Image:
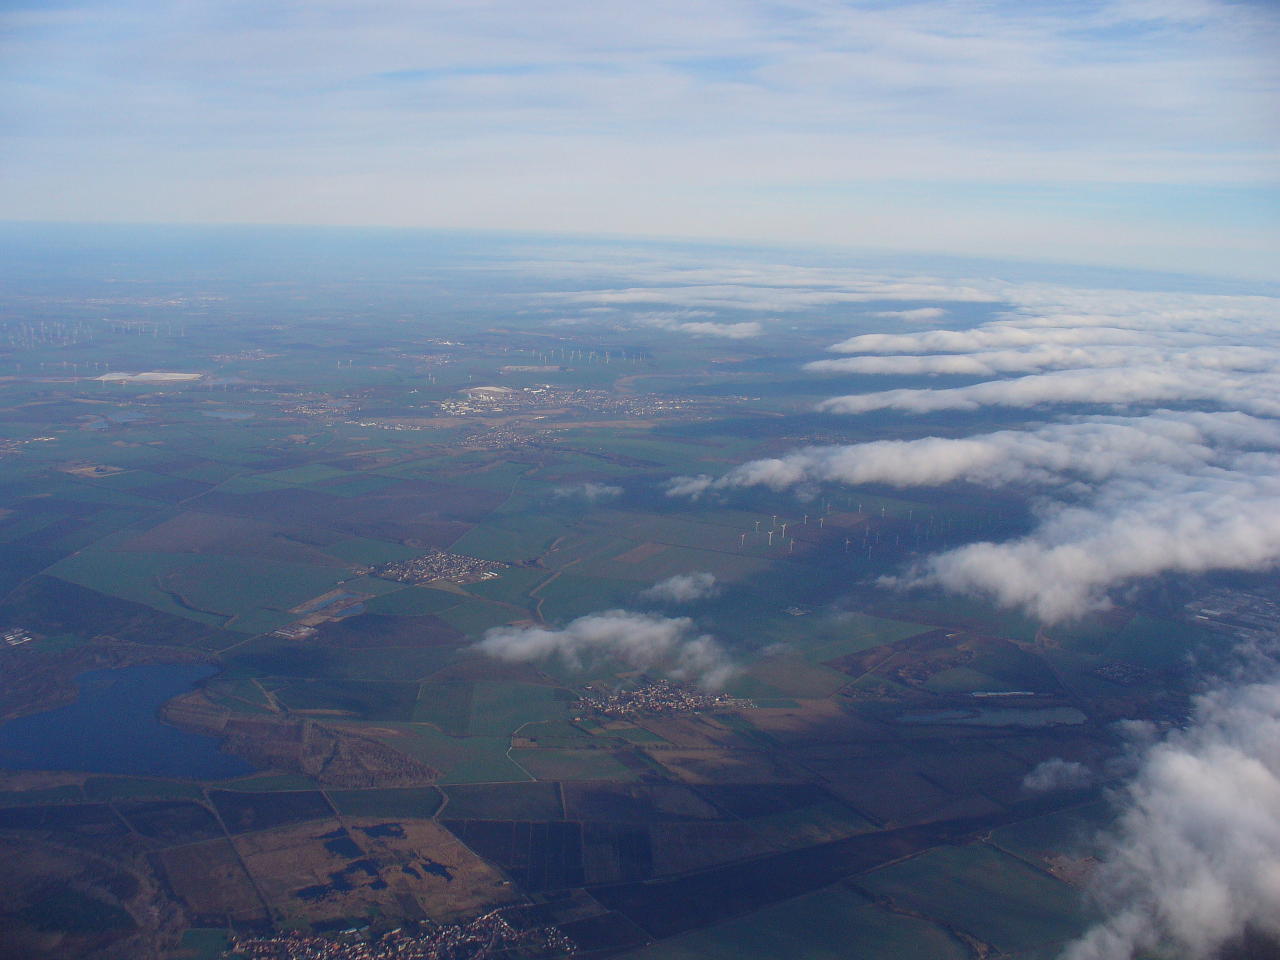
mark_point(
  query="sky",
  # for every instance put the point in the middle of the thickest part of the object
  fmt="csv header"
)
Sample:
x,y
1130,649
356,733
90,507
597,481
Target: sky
x,y
1136,133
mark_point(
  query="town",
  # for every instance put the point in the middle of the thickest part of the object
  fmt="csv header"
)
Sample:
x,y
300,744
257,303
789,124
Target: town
x,y
657,697
486,936
490,400
439,566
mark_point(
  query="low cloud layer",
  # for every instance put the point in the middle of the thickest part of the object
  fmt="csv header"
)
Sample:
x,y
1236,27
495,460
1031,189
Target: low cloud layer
x,y
743,330
1125,498
683,588
641,641
1122,386
1132,528
988,363
591,491
1089,449
1057,774
1194,861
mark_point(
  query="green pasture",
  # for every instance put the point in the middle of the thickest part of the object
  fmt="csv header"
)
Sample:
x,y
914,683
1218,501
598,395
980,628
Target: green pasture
x,y
356,485
831,924
309,474
528,800
511,585
270,783
562,764
274,657
363,699
363,550
203,943
69,793
409,601
570,595
995,897
786,676
1071,833
499,709
130,576
458,759
140,788
474,617
510,538
446,705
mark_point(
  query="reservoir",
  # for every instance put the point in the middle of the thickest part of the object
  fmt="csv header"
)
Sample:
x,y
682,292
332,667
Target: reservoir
x,y
114,727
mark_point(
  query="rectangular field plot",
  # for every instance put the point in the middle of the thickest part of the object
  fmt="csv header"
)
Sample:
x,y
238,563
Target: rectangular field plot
x,y
542,855
993,896
498,709
359,699
570,595
194,532
1054,839
636,803
208,589
409,803
272,657
412,602
556,764
510,539
699,766
786,676
459,759
445,705
177,821
211,880
504,801
832,923
242,811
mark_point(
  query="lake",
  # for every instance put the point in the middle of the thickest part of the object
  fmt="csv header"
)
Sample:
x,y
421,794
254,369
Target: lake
x,y
114,727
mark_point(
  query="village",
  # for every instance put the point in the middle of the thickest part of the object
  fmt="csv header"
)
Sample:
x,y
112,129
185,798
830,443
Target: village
x,y
489,935
438,566
490,400
656,698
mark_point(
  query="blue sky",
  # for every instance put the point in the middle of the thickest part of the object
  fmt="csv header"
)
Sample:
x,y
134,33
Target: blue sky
x,y
1135,133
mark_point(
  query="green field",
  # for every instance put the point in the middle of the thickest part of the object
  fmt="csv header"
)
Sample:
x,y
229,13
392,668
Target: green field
x,y
409,803
992,895
832,924
362,699
560,764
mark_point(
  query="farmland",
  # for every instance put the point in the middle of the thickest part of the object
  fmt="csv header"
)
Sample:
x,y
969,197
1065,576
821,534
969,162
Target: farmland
x,y
414,747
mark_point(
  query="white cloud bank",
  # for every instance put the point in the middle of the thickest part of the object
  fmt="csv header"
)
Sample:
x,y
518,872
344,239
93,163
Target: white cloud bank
x,y
1057,774
744,330
591,491
1090,449
1133,497
640,640
1048,357
1146,386
683,588
1194,861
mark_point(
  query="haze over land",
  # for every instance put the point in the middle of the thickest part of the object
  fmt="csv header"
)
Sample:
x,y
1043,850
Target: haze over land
x,y
560,533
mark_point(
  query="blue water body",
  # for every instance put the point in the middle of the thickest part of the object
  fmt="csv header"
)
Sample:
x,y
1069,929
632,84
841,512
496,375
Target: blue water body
x,y
114,727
